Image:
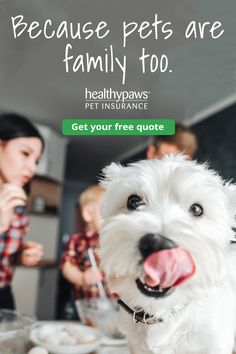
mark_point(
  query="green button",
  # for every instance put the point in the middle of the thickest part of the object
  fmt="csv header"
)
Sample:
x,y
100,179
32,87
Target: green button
x,y
94,127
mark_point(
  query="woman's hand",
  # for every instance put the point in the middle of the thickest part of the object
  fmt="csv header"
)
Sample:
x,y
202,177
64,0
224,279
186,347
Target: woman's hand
x,y
31,253
11,196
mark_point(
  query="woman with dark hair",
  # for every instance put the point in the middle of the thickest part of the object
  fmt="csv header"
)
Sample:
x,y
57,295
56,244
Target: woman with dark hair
x,y
21,146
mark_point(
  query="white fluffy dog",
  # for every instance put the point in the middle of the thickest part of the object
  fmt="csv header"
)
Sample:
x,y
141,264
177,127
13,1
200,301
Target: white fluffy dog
x,y
166,250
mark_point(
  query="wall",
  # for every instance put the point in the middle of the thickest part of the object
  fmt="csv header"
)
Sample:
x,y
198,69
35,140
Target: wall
x,y
217,141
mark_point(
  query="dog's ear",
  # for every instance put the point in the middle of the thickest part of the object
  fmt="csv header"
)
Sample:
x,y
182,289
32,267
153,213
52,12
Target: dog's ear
x,y
110,173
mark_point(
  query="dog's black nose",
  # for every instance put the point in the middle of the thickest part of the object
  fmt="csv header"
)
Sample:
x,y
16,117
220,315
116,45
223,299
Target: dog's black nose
x,y
151,243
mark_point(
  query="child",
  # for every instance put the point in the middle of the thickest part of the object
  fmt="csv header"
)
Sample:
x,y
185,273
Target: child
x,y
75,264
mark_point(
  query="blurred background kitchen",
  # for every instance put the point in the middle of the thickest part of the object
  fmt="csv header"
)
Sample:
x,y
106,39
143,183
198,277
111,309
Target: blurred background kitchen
x,y
201,93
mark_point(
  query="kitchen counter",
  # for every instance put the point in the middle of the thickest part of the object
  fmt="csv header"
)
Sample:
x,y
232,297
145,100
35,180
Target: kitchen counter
x,y
109,350
113,350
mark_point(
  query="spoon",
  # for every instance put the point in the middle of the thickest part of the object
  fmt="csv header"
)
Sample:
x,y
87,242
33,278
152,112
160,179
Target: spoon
x,y
104,302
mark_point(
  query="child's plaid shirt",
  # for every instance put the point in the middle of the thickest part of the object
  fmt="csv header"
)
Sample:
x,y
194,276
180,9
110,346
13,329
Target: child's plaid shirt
x,y
77,254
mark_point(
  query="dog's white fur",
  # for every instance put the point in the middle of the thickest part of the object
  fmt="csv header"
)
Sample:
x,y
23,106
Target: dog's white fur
x,y
206,321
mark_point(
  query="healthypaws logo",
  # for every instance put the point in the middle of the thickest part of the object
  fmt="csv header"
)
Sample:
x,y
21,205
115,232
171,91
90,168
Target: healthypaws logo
x,y
109,99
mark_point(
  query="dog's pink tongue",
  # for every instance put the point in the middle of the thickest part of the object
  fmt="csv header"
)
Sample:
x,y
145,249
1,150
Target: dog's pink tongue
x,y
168,267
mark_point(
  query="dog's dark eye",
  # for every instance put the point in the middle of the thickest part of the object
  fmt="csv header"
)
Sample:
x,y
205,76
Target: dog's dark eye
x,y
196,209
134,201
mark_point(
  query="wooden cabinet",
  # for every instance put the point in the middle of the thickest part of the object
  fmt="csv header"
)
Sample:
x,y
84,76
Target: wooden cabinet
x,y
49,191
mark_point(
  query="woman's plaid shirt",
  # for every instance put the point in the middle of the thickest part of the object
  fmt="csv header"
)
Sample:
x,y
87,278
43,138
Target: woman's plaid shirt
x,y
10,244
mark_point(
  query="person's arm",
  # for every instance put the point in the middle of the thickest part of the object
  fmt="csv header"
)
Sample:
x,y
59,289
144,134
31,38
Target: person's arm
x,y
31,254
78,278
73,274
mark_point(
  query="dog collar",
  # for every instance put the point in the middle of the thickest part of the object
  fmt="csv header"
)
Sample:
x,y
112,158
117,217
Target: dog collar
x,y
139,315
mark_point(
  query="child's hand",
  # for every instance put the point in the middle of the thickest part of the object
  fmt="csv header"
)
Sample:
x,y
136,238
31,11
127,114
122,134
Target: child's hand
x,y
92,276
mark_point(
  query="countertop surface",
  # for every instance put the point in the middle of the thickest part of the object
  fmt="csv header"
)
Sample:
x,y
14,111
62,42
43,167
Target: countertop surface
x,y
113,350
108,350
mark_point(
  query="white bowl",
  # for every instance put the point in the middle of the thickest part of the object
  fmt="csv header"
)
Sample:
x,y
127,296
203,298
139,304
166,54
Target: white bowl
x,y
100,313
52,328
